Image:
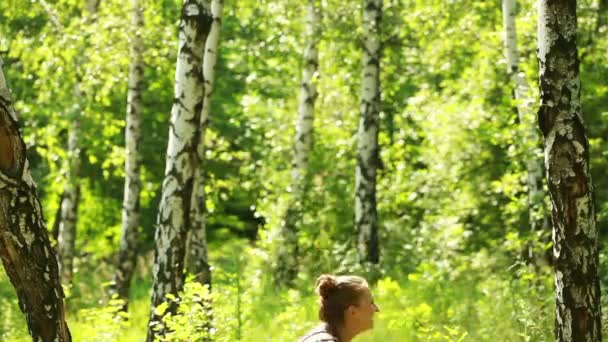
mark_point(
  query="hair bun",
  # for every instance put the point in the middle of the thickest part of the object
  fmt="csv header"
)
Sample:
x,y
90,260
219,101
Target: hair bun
x,y
326,285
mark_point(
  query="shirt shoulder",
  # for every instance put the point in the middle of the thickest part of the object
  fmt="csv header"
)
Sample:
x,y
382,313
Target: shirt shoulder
x,y
319,334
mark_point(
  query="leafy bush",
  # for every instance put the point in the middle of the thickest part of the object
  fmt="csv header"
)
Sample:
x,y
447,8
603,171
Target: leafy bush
x,y
101,323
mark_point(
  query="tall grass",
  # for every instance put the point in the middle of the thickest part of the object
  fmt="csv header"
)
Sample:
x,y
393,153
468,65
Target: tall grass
x,y
422,307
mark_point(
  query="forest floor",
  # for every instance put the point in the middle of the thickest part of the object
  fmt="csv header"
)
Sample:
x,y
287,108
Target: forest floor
x,y
420,308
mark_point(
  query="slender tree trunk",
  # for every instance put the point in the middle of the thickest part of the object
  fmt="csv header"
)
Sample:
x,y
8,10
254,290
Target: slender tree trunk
x,y
130,206
366,215
199,261
69,205
524,105
575,235
25,249
287,258
197,232
174,208
55,228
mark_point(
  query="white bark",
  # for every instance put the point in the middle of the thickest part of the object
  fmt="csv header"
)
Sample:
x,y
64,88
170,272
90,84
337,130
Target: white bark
x,y
130,206
575,234
174,208
308,95
198,235
526,117
287,258
366,216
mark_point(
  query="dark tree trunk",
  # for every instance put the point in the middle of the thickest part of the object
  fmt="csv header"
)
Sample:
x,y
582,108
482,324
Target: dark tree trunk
x,y
55,229
25,249
575,235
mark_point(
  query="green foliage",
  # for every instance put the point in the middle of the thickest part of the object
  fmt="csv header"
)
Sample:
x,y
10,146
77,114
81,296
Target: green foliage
x,y
12,322
194,313
452,194
102,323
427,307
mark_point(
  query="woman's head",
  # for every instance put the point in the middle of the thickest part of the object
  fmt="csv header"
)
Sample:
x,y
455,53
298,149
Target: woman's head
x,y
346,302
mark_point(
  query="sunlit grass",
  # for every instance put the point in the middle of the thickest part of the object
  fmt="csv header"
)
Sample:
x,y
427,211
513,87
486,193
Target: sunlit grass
x,y
424,307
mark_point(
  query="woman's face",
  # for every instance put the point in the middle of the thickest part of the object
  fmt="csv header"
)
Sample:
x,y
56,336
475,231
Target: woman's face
x,y
361,316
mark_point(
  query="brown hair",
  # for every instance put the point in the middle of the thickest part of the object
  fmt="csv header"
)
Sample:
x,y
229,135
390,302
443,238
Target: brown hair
x,y
336,294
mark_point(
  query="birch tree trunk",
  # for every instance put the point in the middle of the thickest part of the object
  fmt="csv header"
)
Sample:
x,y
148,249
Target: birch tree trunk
x,y
366,216
575,235
25,249
287,258
524,105
69,205
130,205
199,261
174,208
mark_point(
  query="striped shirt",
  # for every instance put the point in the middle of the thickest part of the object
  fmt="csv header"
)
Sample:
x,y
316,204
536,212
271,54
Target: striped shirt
x,y
319,334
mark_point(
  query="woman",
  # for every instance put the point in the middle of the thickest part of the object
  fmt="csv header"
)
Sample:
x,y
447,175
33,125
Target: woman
x,y
346,309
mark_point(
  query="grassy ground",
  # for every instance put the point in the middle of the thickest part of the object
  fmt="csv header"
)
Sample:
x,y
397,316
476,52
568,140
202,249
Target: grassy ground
x,y
423,307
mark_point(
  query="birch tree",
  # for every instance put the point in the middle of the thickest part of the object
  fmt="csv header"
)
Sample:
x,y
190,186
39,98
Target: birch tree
x,y
287,259
130,205
25,249
69,204
184,137
575,235
197,246
366,216
521,95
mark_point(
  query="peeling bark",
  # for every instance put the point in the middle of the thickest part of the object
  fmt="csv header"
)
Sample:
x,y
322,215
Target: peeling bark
x,y
197,250
25,249
287,258
130,207
366,215
575,235
174,209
